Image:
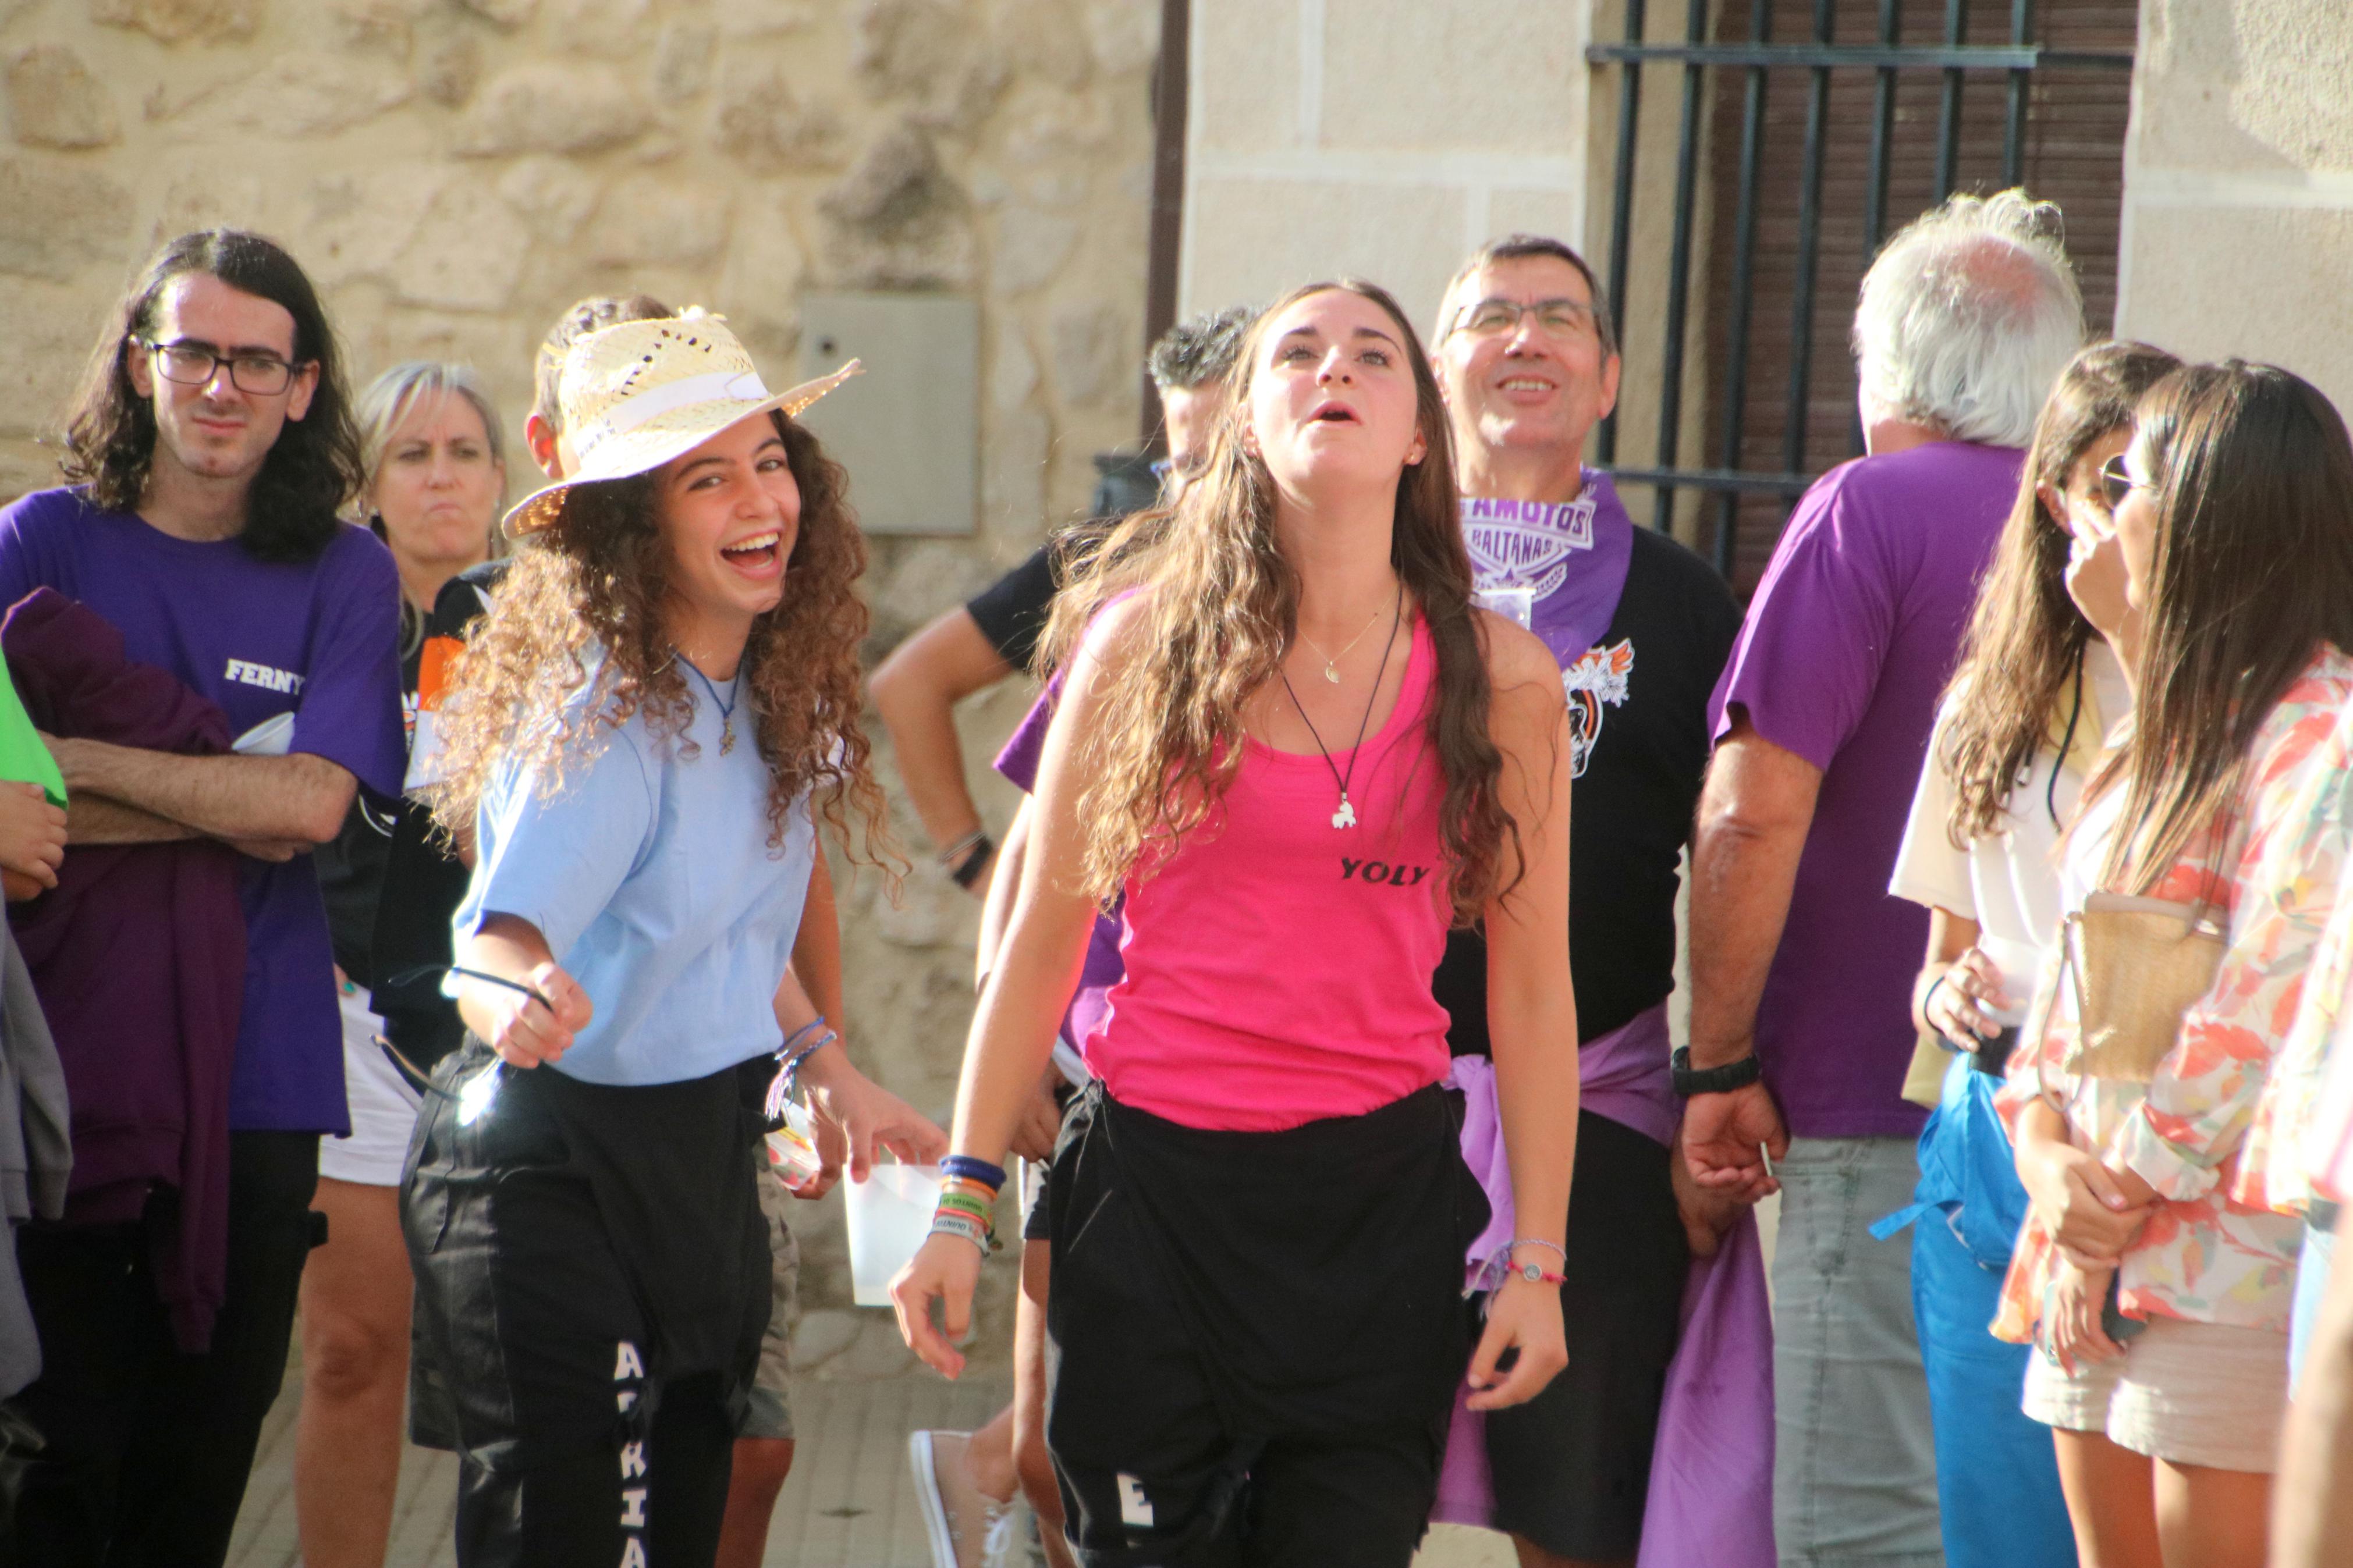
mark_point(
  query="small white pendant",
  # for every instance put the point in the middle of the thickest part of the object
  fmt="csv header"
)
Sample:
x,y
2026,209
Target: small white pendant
x,y
726,737
1345,816
1330,673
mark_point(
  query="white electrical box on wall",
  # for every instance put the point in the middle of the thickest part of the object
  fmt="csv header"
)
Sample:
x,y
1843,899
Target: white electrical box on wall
x,y
908,430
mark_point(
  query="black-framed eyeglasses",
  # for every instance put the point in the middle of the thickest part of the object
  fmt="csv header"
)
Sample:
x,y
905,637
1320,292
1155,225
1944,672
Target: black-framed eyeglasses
x,y
195,364
1555,318
2117,482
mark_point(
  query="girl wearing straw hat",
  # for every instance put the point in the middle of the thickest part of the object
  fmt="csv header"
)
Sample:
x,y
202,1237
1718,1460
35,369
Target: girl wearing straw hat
x,y
661,699
1291,742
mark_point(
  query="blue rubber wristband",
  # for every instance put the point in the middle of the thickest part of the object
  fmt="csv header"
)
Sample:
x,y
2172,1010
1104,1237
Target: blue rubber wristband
x,y
974,1168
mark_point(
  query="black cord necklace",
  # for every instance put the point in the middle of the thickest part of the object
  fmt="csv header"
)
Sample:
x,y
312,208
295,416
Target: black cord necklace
x,y
1346,816
726,709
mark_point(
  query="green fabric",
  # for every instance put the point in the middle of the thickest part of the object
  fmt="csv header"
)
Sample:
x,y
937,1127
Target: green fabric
x,y
23,757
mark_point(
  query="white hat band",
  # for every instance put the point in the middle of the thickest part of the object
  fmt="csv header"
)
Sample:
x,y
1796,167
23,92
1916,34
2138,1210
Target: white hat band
x,y
718,387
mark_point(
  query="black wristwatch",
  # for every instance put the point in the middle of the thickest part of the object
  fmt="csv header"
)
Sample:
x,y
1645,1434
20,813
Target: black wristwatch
x,y
1713,1080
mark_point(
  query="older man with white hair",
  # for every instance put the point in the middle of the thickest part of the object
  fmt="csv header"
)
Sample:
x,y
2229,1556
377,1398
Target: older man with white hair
x,y
1801,961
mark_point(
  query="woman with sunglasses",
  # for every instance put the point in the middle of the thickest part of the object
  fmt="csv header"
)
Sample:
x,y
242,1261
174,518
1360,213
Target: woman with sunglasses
x,y
2021,729
2153,1278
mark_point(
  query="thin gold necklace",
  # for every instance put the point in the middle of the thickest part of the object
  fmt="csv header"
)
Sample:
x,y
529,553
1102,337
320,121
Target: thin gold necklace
x,y
1332,660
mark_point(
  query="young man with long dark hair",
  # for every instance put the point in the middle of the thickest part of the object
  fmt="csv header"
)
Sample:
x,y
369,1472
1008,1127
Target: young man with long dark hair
x,y
207,458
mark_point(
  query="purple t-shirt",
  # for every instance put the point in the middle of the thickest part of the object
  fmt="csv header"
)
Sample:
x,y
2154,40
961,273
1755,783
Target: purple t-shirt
x,y
1849,640
319,640
1104,967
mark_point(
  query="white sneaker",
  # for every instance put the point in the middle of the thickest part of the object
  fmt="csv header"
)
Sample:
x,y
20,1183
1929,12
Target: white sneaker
x,y
967,1527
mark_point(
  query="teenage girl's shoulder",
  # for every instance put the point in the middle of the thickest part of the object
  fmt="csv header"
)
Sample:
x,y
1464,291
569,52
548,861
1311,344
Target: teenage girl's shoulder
x,y
1517,658
1116,635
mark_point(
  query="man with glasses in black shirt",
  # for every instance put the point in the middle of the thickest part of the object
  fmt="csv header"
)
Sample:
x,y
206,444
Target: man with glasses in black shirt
x,y
1527,362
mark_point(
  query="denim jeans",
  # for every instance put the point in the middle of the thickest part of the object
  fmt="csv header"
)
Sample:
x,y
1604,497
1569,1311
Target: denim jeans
x,y
1855,1473
2325,1222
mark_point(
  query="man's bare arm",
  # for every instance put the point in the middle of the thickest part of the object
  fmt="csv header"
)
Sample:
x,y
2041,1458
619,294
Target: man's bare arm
x,y
915,691
298,799
1754,814
2311,1516
93,819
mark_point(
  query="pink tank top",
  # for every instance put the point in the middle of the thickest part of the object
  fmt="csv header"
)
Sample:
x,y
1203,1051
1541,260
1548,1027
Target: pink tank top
x,y
1278,968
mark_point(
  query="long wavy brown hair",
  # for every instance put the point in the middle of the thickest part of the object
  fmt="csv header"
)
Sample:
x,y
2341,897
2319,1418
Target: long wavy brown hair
x,y
2023,657
592,585
2253,574
1221,607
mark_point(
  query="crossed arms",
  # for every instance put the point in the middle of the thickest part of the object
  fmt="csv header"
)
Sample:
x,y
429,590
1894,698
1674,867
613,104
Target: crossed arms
x,y
272,808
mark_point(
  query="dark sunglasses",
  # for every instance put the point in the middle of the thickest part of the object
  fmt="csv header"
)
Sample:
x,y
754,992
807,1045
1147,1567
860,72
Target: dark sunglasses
x,y
2117,482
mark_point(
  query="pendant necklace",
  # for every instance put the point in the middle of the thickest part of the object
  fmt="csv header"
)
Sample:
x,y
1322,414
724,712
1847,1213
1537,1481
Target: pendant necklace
x,y
726,709
1332,660
1346,816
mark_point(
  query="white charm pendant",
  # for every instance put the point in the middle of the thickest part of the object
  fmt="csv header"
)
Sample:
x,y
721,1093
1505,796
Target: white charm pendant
x,y
1330,672
1345,816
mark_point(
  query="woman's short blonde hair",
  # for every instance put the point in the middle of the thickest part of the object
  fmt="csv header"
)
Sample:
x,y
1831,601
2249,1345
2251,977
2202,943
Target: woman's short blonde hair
x,y
390,397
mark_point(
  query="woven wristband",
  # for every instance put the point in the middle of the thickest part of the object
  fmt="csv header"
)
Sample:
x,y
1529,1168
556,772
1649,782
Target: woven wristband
x,y
946,1222
965,1203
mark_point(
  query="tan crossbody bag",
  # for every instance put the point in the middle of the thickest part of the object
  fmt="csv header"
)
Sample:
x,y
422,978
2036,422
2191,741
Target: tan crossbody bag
x,y
2137,964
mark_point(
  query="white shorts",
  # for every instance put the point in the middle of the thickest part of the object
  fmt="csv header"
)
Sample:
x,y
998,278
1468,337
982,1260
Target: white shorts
x,y
2191,1394
383,1106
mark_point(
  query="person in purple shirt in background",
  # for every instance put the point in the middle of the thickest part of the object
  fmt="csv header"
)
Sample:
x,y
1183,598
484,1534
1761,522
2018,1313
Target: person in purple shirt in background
x,y
1802,962
208,456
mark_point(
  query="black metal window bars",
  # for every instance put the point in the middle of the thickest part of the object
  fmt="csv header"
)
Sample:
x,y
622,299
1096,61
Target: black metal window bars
x,y
1820,56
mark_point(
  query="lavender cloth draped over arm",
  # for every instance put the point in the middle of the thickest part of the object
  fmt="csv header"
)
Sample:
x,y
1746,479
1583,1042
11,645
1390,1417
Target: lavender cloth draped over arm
x,y
1711,1497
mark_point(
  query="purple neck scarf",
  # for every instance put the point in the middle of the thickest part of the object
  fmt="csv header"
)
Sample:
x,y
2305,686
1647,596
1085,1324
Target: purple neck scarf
x,y
1555,568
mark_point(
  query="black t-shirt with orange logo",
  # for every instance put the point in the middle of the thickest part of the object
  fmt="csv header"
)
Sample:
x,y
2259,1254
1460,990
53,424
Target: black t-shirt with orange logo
x,y
1638,719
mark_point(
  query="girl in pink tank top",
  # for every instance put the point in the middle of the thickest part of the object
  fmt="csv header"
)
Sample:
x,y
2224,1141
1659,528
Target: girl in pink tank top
x,y
1297,751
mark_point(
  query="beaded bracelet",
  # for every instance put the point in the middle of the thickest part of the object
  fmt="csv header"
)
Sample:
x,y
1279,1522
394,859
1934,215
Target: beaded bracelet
x,y
973,1167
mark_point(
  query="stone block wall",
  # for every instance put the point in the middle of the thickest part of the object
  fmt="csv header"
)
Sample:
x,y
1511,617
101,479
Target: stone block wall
x,y
1386,138
2237,234
454,172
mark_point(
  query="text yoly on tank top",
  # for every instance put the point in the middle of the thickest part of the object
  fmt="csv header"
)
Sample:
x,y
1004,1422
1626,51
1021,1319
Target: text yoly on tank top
x,y
1278,968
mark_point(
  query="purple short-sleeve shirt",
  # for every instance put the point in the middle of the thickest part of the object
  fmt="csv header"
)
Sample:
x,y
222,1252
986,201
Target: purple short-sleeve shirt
x,y
1018,762
1849,640
317,640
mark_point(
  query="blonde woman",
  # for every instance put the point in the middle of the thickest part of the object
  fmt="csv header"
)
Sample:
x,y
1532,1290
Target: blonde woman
x,y
436,467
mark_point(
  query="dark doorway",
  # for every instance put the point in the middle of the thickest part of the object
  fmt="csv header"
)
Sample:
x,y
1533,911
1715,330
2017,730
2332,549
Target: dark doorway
x,y
1812,129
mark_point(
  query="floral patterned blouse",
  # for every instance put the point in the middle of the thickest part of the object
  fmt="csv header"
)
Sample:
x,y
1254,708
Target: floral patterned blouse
x,y
2299,1119
2213,1250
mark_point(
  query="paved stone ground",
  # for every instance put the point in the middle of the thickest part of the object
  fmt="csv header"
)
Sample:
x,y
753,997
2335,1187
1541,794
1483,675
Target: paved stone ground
x,y
850,1502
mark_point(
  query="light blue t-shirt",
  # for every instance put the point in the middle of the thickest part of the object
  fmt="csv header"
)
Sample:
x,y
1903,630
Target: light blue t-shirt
x,y
651,877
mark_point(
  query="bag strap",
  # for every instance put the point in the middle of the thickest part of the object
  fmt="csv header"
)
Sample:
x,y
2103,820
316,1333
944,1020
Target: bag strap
x,y
2225,868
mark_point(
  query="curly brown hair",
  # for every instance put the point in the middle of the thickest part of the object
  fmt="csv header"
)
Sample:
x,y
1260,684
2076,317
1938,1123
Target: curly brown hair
x,y
582,603
1221,605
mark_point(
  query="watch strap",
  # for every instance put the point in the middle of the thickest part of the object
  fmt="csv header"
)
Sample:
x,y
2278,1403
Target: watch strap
x,y
1690,1080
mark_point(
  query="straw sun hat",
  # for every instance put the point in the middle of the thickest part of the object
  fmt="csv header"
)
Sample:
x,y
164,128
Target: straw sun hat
x,y
641,393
